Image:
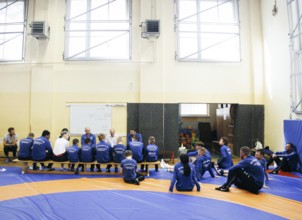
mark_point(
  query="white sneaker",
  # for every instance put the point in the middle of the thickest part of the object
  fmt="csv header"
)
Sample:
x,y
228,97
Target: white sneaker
x,y
2,169
162,163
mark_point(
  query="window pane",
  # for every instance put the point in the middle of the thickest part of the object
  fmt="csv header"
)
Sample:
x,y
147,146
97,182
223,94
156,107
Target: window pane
x,y
189,110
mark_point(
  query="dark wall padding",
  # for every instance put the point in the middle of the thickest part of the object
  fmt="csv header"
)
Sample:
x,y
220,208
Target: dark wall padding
x,y
132,116
248,126
292,134
171,123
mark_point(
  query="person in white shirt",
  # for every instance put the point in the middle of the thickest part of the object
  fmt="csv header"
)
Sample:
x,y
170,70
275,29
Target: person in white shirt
x,y
60,150
112,137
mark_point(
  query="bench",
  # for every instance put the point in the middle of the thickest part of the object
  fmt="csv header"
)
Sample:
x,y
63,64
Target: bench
x,y
25,167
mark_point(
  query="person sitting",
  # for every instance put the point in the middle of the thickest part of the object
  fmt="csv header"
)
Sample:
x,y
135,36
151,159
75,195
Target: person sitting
x,y
42,151
129,170
90,136
137,149
260,157
151,152
182,149
26,147
87,154
10,144
60,150
61,135
286,160
118,152
184,175
111,138
103,153
225,161
248,174
133,132
193,154
74,153
203,164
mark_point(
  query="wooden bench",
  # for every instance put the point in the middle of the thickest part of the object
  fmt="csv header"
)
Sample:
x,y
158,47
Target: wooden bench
x,y
25,167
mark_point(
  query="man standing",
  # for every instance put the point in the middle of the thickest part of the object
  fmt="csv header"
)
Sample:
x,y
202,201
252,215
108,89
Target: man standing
x,y
90,136
248,174
111,138
10,143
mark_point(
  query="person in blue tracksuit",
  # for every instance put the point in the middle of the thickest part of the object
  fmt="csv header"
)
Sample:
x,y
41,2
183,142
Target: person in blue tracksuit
x,y
41,150
289,159
260,157
184,175
87,154
137,149
225,161
248,174
151,152
133,132
26,147
203,164
198,145
118,152
103,153
90,136
74,153
129,170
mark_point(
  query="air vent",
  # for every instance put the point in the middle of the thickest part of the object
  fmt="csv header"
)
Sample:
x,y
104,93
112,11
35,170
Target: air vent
x,y
150,29
39,29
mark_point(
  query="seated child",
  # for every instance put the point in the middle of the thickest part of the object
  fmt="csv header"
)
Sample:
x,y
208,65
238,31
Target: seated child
x,y
203,164
129,170
118,152
151,152
87,154
74,153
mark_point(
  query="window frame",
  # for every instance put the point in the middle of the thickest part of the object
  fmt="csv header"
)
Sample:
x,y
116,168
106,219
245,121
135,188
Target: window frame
x,y
200,33
88,40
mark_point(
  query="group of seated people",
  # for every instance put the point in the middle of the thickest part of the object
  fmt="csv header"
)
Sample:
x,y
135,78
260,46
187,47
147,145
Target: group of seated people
x,y
108,149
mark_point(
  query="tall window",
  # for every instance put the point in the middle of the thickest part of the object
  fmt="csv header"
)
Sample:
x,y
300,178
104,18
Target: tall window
x,y
97,30
207,30
12,29
295,33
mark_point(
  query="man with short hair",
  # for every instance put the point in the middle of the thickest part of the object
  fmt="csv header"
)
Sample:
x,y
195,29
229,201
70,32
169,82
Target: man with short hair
x,y
132,134
103,153
41,150
26,147
90,136
10,143
60,149
289,160
111,138
248,174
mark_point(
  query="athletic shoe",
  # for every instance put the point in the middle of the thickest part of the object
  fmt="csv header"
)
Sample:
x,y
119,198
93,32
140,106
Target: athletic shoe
x,y
163,164
36,168
108,170
99,171
218,171
7,160
136,181
2,169
274,172
223,189
116,170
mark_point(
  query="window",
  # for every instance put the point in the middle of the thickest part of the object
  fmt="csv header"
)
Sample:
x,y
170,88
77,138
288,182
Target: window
x,y
98,30
194,110
12,29
207,30
295,33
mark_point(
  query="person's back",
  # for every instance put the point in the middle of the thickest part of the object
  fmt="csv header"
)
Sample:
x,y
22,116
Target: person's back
x,y
119,152
26,147
39,148
184,175
102,152
87,154
203,163
151,153
129,166
74,153
137,149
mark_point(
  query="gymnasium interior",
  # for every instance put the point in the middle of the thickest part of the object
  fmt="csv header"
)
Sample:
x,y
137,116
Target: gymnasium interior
x,y
179,70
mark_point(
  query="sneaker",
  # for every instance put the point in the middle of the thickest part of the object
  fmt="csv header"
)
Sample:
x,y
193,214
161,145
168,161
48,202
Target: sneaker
x,y
91,170
115,170
2,169
36,168
274,172
99,171
7,160
218,171
136,181
223,189
108,170
163,164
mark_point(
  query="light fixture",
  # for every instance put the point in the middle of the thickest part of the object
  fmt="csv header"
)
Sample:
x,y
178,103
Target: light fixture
x,y
275,9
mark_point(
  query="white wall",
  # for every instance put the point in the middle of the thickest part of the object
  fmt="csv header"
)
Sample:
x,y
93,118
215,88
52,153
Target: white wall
x,y
277,72
45,83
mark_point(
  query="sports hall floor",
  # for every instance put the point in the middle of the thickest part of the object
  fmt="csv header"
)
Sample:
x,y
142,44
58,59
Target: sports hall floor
x,y
50,196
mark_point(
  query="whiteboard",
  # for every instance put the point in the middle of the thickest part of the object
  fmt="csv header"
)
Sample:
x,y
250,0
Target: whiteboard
x,y
96,117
